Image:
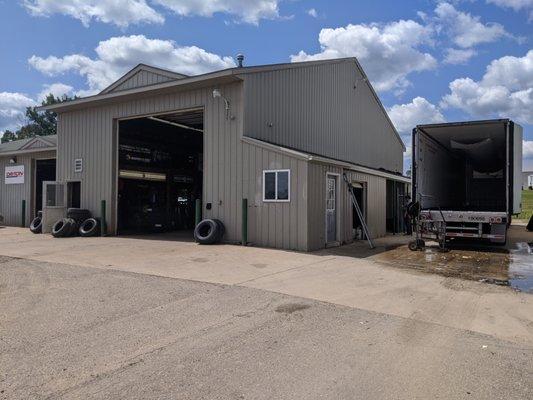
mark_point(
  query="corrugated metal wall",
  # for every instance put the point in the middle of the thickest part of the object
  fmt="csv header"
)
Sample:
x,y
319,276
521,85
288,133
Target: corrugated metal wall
x,y
375,204
11,196
281,225
141,78
231,167
316,109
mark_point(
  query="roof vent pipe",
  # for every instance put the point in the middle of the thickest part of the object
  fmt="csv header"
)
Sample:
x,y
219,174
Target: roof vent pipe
x,y
240,59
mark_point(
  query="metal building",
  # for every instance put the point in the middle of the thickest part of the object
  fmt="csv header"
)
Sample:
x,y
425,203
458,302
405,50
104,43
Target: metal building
x,y
25,165
280,136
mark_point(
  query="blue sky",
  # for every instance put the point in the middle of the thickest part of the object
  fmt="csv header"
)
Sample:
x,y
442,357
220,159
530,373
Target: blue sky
x,y
429,60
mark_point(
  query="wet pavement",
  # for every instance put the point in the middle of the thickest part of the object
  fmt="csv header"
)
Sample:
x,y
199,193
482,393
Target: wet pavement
x,y
508,266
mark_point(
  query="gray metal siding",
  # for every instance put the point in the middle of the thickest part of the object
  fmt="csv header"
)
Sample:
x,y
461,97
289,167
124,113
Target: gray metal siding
x,y
275,224
11,196
316,109
375,204
141,78
232,169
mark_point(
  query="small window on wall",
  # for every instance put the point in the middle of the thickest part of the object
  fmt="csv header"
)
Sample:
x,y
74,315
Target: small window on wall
x,y
276,185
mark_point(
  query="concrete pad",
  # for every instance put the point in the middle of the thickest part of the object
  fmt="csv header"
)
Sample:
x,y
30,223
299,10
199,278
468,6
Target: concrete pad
x,y
330,275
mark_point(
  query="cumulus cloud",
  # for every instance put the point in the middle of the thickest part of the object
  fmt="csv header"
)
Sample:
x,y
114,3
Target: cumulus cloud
x,y
516,5
458,56
249,11
117,55
57,89
388,52
419,111
505,90
12,108
466,30
117,12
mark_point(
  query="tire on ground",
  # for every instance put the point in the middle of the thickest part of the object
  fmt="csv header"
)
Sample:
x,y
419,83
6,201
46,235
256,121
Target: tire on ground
x,y
36,226
207,232
90,227
62,228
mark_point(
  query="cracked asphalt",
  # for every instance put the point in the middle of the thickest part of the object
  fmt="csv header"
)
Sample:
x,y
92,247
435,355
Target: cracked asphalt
x,y
69,332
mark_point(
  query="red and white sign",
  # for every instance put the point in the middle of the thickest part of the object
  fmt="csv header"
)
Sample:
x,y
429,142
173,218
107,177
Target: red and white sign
x,y
14,174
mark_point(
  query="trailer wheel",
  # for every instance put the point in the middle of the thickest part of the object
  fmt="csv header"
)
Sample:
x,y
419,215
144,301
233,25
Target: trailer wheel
x,y
36,225
221,229
207,232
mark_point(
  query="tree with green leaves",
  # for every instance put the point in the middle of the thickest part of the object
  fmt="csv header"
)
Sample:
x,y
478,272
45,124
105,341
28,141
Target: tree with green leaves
x,y
40,123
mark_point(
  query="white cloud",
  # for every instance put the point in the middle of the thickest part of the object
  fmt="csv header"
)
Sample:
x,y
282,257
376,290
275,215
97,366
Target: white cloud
x,y
527,148
506,90
117,55
419,111
12,108
249,11
117,12
312,12
516,5
57,89
388,53
458,56
466,30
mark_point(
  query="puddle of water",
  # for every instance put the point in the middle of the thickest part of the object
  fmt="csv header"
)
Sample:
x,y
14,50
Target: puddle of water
x,y
512,268
521,267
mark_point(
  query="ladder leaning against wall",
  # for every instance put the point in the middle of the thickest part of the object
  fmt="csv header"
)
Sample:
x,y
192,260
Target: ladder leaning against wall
x,y
358,211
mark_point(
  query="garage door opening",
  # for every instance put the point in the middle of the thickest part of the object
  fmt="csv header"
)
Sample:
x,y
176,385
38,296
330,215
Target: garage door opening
x,y
160,172
45,170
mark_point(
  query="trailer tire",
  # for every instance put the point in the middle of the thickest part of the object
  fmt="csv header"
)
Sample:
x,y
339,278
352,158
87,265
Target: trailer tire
x,y
207,232
89,227
36,226
62,228
40,214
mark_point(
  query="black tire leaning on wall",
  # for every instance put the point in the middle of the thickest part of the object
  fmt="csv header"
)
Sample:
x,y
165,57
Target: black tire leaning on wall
x,y
36,226
74,225
62,228
90,227
207,232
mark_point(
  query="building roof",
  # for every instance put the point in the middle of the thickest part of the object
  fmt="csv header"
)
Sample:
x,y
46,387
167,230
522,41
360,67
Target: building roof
x,y
30,145
211,78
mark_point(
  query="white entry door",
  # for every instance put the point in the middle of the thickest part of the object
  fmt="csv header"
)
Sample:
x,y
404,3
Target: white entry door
x,y
331,208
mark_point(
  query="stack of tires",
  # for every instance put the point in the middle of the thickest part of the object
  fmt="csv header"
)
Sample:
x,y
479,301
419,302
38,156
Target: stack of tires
x,y
209,231
78,221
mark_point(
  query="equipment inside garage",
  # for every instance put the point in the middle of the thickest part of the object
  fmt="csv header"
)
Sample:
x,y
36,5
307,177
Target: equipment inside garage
x,y
160,172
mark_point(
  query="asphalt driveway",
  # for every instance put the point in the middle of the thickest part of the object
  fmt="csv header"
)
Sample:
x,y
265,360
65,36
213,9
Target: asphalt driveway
x,y
71,332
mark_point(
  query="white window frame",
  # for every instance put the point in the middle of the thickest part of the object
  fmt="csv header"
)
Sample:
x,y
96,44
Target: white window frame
x,y
276,200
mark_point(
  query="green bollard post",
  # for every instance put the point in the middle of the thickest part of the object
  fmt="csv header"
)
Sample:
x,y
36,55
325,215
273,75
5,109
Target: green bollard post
x,y
23,219
244,222
103,223
197,212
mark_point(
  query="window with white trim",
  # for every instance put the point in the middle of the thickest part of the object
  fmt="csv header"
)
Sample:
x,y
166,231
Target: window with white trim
x,y
276,185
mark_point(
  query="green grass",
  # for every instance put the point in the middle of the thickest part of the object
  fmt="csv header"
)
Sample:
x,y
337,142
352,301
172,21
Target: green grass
x,y
527,204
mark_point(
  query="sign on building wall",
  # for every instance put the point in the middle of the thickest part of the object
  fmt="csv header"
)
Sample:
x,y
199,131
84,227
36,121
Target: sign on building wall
x,y
14,174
